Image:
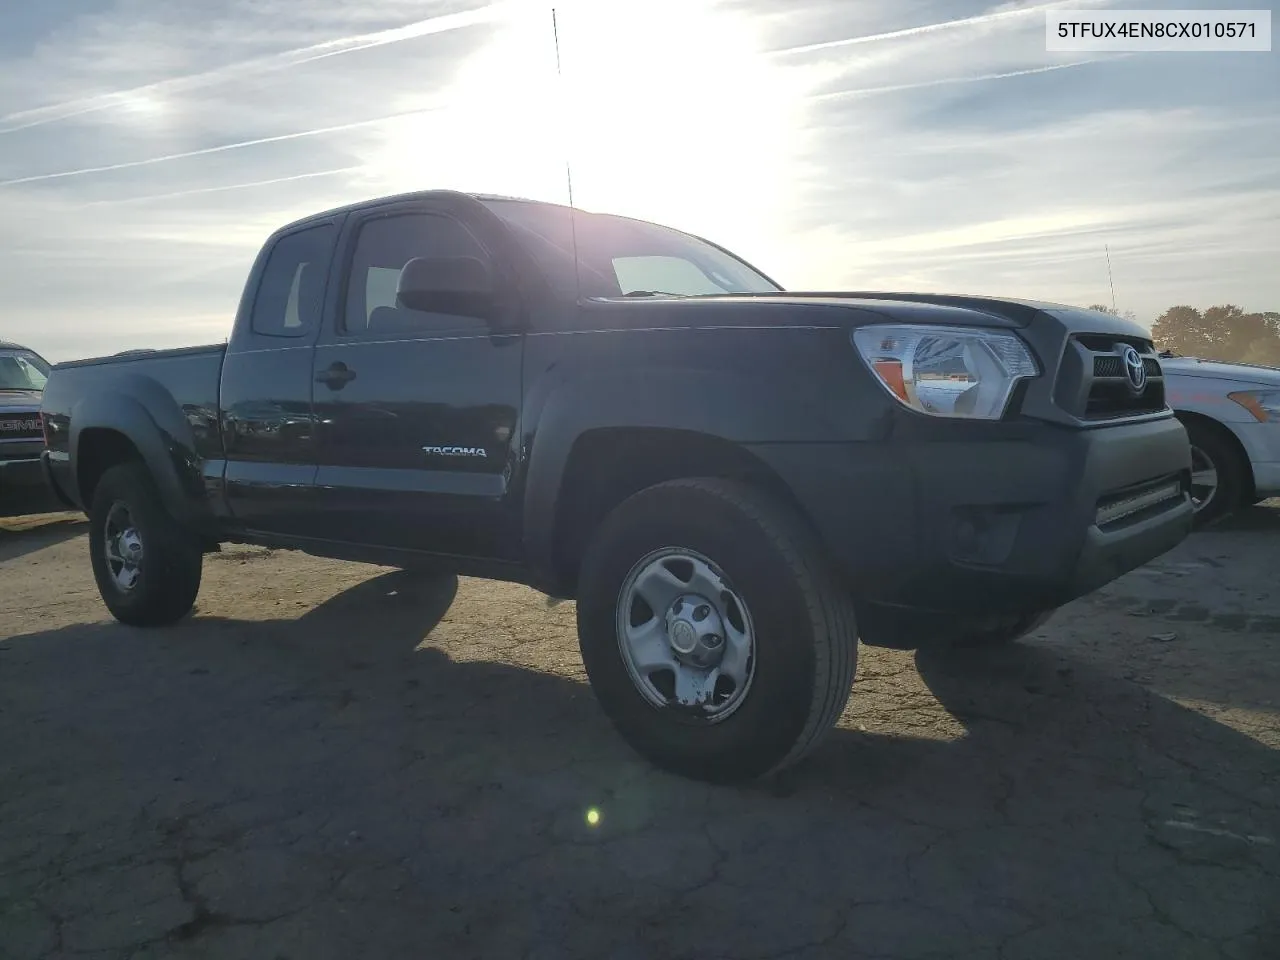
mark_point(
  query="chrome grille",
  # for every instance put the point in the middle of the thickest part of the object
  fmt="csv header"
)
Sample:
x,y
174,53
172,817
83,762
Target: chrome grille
x,y
1113,366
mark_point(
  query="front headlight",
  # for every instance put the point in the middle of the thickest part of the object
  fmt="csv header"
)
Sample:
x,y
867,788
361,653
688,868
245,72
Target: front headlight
x,y
1263,404
947,371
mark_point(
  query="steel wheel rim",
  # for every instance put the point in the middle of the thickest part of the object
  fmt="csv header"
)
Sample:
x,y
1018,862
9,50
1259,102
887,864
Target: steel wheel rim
x,y
1204,479
678,654
122,547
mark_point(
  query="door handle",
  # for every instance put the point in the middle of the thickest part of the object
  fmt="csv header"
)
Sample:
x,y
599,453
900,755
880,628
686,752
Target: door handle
x,y
337,376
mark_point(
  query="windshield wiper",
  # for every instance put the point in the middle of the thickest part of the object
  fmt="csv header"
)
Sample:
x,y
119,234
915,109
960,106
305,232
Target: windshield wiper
x,y
652,293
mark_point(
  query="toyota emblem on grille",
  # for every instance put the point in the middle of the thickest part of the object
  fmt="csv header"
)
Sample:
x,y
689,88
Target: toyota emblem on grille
x,y
1134,369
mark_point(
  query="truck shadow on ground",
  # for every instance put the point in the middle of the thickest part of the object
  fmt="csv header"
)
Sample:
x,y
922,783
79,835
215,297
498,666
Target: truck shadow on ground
x,y
1259,518
20,536
330,786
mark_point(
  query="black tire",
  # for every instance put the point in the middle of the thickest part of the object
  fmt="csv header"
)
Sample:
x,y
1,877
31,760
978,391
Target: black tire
x,y
900,628
1230,466
805,632
168,577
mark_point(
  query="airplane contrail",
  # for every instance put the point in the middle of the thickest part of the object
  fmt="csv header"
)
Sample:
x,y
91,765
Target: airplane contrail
x,y
946,81
52,113
221,148
230,186
931,27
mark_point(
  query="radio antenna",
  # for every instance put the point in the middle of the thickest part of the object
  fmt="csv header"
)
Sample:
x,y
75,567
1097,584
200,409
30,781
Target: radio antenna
x,y
568,167
1111,280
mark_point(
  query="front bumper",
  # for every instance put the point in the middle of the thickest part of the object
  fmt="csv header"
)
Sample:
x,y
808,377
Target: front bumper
x,y
1266,479
23,488
1012,521
1261,442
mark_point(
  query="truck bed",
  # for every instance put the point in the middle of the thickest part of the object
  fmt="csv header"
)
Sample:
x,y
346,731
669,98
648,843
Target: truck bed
x,y
131,356
178,389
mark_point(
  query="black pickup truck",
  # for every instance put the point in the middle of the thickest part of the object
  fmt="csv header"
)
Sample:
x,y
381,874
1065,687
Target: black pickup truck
x,y
735,483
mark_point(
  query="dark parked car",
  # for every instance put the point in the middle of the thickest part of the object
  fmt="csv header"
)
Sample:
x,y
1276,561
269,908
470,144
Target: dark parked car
x,y
23,374
734,482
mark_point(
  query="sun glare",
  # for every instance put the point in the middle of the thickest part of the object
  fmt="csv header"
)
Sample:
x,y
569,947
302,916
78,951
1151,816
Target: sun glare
x,y
141,105
665,110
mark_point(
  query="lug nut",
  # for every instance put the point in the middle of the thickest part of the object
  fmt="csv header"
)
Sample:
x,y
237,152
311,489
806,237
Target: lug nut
x,y
701,613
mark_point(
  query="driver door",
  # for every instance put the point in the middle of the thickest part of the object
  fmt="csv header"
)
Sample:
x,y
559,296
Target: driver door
x,y
416,411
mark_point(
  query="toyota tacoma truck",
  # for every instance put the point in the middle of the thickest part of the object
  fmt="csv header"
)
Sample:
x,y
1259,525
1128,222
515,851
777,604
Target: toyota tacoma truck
x,y
734,482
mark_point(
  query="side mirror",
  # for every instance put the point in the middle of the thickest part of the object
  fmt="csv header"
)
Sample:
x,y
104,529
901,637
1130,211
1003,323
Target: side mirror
x,y
462,286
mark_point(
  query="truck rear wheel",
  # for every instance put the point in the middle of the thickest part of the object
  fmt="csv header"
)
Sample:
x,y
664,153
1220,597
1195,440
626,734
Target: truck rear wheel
x,y
146,564
716,639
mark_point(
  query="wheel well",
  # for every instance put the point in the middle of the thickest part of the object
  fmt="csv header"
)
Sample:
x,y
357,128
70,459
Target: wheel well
x,y
1231,440
98,451
607,466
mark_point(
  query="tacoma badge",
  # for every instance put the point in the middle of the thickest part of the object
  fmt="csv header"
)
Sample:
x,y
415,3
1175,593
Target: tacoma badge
x,y
455,451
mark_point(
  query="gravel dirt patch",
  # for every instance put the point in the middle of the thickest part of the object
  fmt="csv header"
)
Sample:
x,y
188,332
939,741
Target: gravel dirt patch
x,y
338,761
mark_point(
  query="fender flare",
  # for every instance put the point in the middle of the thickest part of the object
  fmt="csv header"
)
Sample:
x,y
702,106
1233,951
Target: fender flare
x,y
144,413
717,404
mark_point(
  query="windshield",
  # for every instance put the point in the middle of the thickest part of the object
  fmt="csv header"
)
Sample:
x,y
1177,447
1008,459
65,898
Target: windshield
x,y
22,370
619,257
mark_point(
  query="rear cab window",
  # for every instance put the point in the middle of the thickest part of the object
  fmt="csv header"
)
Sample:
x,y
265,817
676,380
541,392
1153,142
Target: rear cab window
x,y
290,296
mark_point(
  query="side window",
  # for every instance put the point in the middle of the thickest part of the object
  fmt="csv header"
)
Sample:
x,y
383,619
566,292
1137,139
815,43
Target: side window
x,y
291,294
383,246
663,275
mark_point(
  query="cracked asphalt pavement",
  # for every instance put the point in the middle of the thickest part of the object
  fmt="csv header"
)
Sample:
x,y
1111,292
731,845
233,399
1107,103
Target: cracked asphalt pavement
x,y
339,761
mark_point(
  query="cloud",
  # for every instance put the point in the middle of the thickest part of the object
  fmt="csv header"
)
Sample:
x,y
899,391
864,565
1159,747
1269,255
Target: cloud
x,y
150,145
220,148
225,153
947,81
140,97
1026,212
960,155
197,191
943,26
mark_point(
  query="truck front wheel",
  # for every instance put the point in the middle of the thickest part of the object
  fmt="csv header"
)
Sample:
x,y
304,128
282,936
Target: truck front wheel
x,y
714,635
146,564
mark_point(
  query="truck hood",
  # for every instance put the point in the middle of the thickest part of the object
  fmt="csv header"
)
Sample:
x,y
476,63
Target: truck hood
x,y
942,308
1220,370
1011,310
19,400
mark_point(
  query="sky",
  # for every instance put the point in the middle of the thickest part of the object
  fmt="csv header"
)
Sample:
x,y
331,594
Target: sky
x,y
148,147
